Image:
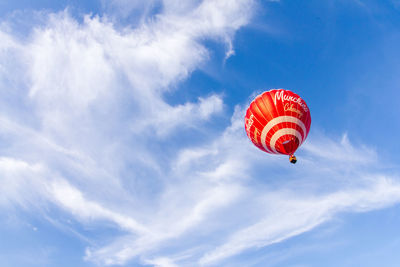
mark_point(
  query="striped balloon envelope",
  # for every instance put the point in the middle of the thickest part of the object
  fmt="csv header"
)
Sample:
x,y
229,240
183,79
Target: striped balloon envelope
x,y
278,121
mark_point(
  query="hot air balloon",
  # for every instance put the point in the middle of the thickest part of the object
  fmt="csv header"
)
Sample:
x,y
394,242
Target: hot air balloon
x,y
277,122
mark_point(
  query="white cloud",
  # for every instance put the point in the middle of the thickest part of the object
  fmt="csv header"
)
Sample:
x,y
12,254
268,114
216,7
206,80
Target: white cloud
x,y
167,118
217,198
291,215
73,201
17,176
341,151
83,97
85,129
29,184
162,262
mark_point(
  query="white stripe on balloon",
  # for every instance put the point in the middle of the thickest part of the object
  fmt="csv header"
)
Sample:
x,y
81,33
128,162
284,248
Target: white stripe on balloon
x,y
278,134
276,121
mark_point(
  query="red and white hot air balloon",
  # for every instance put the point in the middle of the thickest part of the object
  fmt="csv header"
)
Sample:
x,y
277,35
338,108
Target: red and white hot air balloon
x,y
277,122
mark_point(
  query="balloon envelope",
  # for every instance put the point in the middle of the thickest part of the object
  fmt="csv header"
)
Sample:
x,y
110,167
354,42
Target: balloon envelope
x,y
278,121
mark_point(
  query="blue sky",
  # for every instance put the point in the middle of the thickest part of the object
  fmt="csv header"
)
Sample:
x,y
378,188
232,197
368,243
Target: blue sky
x,y
122,138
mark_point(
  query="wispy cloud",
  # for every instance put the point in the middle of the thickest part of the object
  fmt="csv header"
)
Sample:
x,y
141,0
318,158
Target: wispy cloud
x,y
291,215
86,130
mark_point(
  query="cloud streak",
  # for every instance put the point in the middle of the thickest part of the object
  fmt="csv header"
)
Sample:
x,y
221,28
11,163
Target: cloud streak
x,y
293,215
